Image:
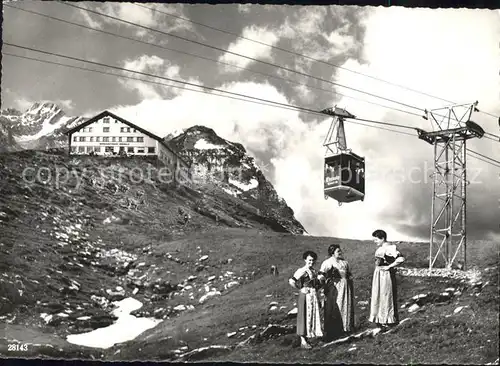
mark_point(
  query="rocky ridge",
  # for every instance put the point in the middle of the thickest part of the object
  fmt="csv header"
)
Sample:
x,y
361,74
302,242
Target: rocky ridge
x,y
226,163
41,126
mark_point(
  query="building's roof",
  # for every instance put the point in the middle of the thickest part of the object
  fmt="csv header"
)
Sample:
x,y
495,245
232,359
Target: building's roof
x,y
146,132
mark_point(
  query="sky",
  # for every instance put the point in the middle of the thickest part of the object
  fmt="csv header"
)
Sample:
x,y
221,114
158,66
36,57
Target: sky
x,y
428,50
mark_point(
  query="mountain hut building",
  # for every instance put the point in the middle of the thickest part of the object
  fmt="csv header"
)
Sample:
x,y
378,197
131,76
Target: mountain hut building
x,y
108,134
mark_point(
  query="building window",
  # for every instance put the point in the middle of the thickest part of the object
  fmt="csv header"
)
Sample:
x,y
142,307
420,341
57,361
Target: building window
x,y
108,149
128,129
75,138
105,139
140,150
130,149
91,138
97,149
113,139
130,139
105,129
73,148
82,139
151,150
120,139
81,149
89,149
122,129
134,131
98,138
105,120
140,139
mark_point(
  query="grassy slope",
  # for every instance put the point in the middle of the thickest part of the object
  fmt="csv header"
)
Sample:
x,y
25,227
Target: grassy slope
x,y
429,337
35,267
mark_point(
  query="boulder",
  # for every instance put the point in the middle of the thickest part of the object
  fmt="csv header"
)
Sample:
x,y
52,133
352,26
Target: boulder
x,y
413,308
209,295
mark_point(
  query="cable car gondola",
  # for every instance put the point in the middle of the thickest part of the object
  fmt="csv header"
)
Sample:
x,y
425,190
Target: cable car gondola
x,y
344,171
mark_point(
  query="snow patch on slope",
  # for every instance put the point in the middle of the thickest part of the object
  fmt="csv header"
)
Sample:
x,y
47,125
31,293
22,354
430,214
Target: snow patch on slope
x,y
245,187
202,144
230,191
47,128
43,108
126,328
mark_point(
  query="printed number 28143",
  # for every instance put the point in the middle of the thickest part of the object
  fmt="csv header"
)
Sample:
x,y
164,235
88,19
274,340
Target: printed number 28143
x,y
17,347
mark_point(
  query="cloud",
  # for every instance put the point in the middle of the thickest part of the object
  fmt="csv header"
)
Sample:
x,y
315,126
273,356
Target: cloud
x,y
249,48
139,15
398,189
89,19
304,94
132,13
320,33
231,118
67,104
340,41
144,64
163,86
307,30
175,23
23,104
18,101
310,20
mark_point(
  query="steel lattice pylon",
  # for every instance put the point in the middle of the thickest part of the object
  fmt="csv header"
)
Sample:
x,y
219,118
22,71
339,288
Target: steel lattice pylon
x,y
448,232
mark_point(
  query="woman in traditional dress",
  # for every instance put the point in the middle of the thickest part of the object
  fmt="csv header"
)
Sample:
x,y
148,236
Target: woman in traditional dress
x,y
384,308
308,318
339,294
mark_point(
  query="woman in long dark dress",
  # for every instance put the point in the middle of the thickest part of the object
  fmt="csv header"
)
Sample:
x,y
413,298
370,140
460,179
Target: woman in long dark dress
x,y
384,307
339,294
308,318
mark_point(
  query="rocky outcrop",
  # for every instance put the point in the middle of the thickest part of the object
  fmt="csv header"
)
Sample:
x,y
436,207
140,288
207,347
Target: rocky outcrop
x,y
227,164
41,126
7,141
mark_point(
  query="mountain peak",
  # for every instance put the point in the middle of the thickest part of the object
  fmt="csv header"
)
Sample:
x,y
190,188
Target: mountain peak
x,y
229,167
35,124
173,134
205,138
43,108
200,129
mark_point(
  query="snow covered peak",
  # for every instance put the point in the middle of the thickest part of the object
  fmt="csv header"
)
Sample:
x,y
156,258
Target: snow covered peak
x,y
43,108
43,120
205,138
